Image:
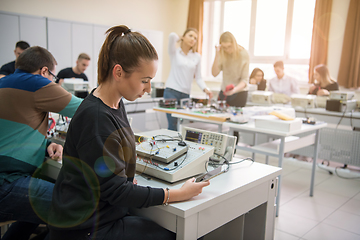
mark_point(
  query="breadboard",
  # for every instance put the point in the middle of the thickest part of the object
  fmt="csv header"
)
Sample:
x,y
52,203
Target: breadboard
x,y
189,164
162,151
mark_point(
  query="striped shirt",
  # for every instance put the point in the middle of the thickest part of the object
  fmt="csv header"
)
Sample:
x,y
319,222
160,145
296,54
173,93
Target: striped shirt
x,y
26,100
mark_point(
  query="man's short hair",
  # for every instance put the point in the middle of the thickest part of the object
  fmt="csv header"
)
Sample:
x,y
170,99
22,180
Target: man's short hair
x,y
35,58
22,44
279,64
83,56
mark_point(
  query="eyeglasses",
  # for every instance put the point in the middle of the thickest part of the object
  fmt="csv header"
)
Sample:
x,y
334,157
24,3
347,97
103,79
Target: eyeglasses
x,y
55,78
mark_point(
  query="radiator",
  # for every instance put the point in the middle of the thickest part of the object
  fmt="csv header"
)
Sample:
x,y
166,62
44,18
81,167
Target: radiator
x,y
336,145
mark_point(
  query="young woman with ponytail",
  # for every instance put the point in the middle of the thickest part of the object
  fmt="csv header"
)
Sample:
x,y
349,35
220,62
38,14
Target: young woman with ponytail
x,y
96,184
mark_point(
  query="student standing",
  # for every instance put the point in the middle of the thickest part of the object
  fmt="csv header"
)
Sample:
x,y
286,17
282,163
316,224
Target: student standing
x,y
96,184
233,60
185,65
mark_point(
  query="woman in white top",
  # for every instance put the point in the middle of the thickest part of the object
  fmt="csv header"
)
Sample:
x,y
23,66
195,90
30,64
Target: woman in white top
x,y
185,65
233,60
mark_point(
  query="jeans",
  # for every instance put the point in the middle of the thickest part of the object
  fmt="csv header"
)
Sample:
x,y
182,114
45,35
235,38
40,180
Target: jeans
x,y
26,200
171,94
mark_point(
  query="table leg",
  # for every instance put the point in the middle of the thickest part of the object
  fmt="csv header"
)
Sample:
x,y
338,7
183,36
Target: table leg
x,y
179,122
255,143
316,149
186,229
220,128
281,157
267,156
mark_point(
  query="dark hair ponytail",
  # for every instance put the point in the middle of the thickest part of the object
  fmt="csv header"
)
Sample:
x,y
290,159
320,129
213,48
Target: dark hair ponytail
x,y
124,47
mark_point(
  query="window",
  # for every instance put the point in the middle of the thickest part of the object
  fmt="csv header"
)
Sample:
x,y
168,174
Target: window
x,y
271,30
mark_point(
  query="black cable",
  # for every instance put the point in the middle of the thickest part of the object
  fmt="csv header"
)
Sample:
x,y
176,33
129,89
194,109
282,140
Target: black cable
x,y
341,117
330,172
166,140
222,157
337,174
170,169
150,160
248,158
230,163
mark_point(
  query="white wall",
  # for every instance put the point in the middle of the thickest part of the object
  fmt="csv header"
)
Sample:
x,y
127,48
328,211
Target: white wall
x,y
336,36
161,15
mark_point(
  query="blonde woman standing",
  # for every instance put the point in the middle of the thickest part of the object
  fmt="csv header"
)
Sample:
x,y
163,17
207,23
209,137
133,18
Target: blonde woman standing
x,y
233,60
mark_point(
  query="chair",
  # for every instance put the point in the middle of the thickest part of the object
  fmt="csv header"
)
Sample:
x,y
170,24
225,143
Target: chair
x,y
4,227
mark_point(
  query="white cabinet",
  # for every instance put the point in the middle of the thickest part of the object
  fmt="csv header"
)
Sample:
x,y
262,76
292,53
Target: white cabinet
x,y
64,39
9,28
59,42
33,30
17,27
82,42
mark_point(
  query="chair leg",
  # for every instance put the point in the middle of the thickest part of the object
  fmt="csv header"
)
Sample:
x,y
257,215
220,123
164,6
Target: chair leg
x,y
4,227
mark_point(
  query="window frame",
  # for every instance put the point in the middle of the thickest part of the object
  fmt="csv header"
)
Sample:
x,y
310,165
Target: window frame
x,y
254,59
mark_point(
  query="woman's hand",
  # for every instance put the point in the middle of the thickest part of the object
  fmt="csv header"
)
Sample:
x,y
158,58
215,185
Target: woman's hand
x,y
323,92
217,49
55,151
230,92
134,181
253,81
208,92
188,190
312,88
191,188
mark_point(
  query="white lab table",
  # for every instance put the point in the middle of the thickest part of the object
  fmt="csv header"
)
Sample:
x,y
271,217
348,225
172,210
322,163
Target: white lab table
x,y
240,200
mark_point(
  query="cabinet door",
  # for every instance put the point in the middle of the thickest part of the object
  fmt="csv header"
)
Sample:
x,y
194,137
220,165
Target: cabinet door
x,y
9,29
33,30
99,38
59,42
82,42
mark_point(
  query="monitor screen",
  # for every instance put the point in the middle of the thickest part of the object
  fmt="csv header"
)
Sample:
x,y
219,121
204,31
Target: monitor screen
x,y
193,136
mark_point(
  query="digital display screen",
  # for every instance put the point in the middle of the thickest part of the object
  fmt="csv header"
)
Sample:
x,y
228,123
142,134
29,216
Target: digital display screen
x,y
193,136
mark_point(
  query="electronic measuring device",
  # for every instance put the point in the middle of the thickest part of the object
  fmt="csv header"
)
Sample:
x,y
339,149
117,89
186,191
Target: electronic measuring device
x,y
263,97
164,154
223,144
304,101
339,95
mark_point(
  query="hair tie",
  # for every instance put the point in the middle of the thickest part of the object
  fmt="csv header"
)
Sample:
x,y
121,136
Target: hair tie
x,y
127,31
